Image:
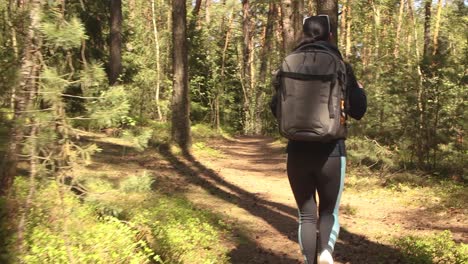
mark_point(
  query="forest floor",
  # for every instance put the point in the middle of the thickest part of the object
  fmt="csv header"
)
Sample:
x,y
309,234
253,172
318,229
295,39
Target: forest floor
x,y
243,180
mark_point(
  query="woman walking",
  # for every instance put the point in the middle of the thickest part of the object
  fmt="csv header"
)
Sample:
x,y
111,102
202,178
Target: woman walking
x,y
317,167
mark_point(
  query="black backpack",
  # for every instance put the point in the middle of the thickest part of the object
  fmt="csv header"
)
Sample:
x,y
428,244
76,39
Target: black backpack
x,y
312,97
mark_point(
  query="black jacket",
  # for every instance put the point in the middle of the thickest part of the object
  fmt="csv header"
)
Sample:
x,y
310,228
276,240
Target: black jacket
x,y
357,108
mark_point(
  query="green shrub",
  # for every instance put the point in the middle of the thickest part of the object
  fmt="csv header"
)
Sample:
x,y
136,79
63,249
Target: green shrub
x,y
61,229
438,248
200,147
348,209
139,184
364,151
161,132
203,131
182,233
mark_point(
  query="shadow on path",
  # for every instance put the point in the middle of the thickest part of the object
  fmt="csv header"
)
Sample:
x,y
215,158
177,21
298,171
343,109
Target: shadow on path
x,y
351,248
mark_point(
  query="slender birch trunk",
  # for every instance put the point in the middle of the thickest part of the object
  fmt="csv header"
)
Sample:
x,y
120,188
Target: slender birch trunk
x,y
158,59
14,44
420,105
247,68
223,64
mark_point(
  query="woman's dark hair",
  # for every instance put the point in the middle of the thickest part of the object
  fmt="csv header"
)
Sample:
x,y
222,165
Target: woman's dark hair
x,y
317,27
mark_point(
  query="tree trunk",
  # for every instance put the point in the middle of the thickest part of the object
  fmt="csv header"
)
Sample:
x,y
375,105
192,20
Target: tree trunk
x,y
180,96
223,64
343,23
311,7
14,44
420,105
28,75
377,23
247,70
427,28
288,25
396,50
437,28
115,61
330,8
207,11
348,30
268,35
298,9
158,63
196,8
265,60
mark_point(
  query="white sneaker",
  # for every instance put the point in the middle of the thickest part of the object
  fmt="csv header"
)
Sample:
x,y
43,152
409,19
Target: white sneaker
x,y
325,257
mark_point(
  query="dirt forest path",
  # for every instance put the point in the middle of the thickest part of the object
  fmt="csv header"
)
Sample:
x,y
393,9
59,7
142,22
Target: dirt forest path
x,y
245,181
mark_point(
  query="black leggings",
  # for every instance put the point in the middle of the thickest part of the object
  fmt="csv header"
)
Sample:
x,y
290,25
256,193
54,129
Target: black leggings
x,y
309,173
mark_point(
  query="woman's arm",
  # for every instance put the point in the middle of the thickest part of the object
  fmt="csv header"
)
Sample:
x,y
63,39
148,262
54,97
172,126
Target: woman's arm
x,y
274,99
357,96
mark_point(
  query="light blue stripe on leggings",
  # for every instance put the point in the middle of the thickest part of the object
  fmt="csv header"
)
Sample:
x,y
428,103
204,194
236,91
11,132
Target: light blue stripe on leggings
x,y
336,226
300,238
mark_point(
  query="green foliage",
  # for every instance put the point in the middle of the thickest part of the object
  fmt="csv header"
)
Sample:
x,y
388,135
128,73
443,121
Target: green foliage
x,y
437,248
65,34
203,132
60,230
137,183
183,233
364,151
93,80
53,86
110,108
162,132
6,232
172,226
140,139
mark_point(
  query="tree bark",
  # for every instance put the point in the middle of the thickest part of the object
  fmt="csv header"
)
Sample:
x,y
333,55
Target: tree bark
x,y
247,69
330,8
396,50
265,61
343,23
420,105
427,28
288,25
311,7
196,8
14,44
268,35
115,61
349,22
158,59
377,23
298,8
180,96
217,115
437,28
28,75
207,11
